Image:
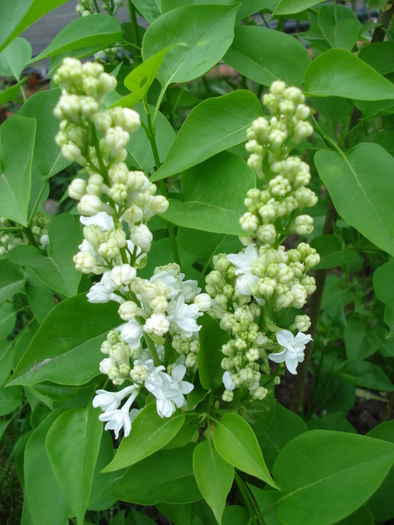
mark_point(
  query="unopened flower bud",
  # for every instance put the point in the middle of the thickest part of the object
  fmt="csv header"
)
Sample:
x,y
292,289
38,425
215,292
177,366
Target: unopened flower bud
x,y
77,189
90,205
203,301
128,310
122,275
142,237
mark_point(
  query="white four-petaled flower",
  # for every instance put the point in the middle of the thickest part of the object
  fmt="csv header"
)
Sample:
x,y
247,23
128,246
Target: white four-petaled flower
x,y
293,352
244,263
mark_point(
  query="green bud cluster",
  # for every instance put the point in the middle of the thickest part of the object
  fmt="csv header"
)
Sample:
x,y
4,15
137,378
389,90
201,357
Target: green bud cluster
x,y
87,7
274,211
117,364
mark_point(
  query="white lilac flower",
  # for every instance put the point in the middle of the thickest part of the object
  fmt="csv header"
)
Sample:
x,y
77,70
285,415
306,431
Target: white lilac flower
x,y
184,316
228,381
131,333
109,401
293,352
104,221
172,279
169,391
244,263
121,418
157,324
102,292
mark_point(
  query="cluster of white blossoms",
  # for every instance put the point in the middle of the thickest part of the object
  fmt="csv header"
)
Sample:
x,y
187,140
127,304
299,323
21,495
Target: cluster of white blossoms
x,y
165,304
112,194
274,212
249,289
87,7
157,344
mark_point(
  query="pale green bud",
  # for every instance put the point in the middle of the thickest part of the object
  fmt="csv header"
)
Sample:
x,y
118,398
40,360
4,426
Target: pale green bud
x,y
203,301
309,283
266,233
95,184
302,112
90,205
159,204
294,94
84,262
118,193
94,235
128,310
116,138
302,323
249,222
303,224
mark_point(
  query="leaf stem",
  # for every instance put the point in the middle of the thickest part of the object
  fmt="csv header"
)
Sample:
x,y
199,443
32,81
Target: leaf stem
x,y
134,26
152,139
152,349
246,497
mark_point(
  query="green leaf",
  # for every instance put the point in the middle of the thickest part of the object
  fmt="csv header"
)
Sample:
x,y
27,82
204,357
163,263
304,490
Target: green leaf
x,y
289,7
212,338
368,375
7,319
336,421
380,56
383,280
247,7
340,73
266,500
385,138
149,9
6,356
150,433
66,348
11,280
10,399
207,32
380,503
15,169
139,80
362,516
146,484
139,147
351,181
213,126
11,93
18,16
285,426
265,55
46,501
82,32
205,245
179,514
47,160
331,252
235,515
214,192
14,58
214,476
337,462
161,251
332,109
73,444
339,26
237,444
41,298
56,270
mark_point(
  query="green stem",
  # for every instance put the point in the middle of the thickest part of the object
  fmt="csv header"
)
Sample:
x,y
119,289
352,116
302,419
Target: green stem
x,y
11,229
30,236
37,201
152,139
96,6
157,107
152,349
103,169
242,488
134,27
